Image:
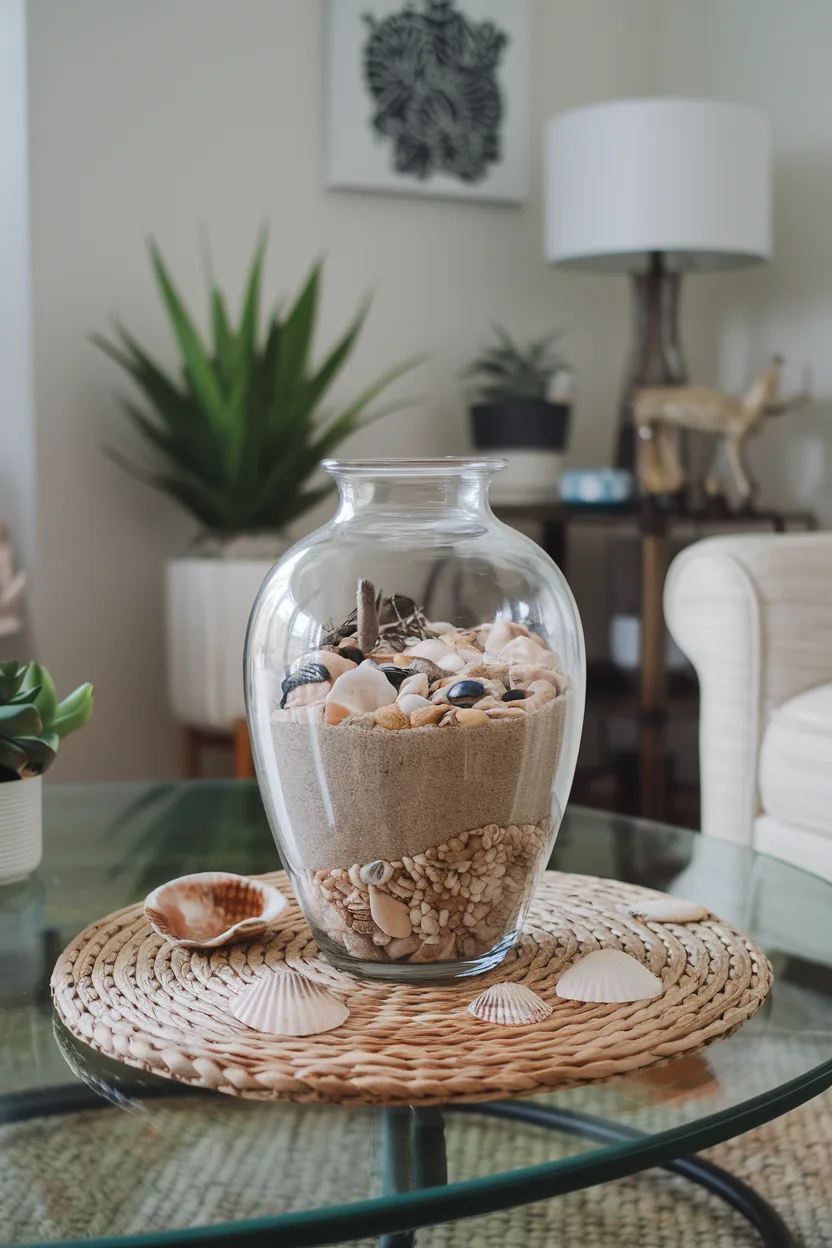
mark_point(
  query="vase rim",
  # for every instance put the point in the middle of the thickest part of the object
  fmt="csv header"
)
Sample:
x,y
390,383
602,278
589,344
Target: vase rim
x,y
442,466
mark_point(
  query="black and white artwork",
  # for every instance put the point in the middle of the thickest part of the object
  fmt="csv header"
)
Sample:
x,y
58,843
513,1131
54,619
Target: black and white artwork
x,y
429,97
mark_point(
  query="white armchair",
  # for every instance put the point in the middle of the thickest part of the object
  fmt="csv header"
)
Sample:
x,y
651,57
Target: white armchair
x,y
754,616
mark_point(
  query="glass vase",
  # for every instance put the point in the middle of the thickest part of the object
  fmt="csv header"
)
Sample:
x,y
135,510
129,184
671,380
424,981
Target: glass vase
x,y
415,680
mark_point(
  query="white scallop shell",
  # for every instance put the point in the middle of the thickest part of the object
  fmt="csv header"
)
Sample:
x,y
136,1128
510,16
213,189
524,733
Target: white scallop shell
x,y
510,1005
669,910
212,908
281,1002
608,975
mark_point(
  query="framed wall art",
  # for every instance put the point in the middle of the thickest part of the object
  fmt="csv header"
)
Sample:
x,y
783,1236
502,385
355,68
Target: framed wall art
x,y
429,97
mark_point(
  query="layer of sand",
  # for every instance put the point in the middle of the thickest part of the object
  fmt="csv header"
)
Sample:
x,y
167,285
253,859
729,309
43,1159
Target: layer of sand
x,y
353,795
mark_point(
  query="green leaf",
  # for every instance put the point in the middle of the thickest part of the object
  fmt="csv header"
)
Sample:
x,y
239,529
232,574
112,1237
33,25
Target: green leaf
x,y
11,678
296,338
197,362
20,721
74,712
40,751
350,419
245,358
46,702
12,757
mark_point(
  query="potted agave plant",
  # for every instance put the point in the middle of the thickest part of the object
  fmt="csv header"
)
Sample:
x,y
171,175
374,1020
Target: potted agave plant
x,y
520,411
32,724
237,438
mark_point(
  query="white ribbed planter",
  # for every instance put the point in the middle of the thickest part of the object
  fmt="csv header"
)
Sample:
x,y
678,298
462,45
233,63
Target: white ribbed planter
x,y
21,823
208,602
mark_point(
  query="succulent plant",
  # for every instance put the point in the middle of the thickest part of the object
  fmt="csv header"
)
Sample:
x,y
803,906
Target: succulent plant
x,y
509,371
33,721
238,434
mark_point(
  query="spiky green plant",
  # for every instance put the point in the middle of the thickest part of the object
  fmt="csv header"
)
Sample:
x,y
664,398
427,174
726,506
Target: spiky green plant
x,y
508,370
33,721
238,434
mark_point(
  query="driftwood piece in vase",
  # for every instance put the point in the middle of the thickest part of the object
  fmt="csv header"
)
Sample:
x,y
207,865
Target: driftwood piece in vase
x,y
662,412
11,588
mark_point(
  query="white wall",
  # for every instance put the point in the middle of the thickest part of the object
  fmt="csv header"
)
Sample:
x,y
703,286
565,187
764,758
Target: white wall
x,y
775,57
17,446
168,115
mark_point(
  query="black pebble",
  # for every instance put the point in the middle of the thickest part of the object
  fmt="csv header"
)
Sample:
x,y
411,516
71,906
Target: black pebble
x,y
352,652
466,693
310,674
515,695
396,675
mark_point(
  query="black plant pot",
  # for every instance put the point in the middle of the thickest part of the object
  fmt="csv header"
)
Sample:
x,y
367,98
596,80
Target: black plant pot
x,y
521,424
532,434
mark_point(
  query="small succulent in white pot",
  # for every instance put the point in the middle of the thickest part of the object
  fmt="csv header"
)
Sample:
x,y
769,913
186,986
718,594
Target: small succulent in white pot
x,y
32,725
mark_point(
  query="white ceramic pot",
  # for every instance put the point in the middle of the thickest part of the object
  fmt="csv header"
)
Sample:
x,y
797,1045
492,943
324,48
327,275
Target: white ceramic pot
x,y
21,828
208,602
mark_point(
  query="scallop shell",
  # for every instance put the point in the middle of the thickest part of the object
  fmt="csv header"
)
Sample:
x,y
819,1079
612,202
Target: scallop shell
x,y
510,1005
283,1003
608,975
212,908
669,910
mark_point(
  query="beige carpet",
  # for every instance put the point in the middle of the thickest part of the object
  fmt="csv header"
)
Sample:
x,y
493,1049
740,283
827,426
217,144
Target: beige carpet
x,y
162,1164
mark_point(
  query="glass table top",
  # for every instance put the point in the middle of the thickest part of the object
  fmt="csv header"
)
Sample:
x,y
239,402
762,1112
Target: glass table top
x,y
95,1152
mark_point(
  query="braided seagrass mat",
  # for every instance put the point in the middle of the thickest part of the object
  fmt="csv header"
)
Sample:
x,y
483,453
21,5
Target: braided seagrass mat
x,y
123,990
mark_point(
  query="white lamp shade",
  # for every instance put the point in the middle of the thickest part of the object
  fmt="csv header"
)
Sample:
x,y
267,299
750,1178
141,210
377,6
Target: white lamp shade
x,y
689,178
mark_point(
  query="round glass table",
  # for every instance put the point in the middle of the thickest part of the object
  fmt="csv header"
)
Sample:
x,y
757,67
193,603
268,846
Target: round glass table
x,y
94,1152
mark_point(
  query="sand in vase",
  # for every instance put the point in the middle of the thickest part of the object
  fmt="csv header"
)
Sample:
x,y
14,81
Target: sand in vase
x,y
460,817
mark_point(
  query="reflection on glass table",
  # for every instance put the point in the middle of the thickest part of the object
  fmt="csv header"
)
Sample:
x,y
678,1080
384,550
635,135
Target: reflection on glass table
x,y
91,1150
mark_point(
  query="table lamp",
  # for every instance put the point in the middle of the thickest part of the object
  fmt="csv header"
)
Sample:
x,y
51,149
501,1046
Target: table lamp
x,y
653,188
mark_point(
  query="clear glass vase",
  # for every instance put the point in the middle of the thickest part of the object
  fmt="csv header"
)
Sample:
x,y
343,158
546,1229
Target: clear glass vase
x,y
415,680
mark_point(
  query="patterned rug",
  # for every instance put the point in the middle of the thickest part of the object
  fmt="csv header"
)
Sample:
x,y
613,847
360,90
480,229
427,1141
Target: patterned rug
x,y
165,1164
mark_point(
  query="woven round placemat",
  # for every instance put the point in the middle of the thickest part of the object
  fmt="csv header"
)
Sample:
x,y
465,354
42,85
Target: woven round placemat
x,y
123,990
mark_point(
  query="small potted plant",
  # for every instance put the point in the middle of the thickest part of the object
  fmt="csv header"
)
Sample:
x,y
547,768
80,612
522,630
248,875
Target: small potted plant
x,y
32,724
520,411
236,439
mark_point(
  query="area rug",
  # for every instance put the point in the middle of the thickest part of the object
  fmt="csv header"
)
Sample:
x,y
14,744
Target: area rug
x,y
163,1164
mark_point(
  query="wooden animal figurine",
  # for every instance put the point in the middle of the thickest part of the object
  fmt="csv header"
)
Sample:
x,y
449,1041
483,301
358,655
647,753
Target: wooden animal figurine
x,y
661,413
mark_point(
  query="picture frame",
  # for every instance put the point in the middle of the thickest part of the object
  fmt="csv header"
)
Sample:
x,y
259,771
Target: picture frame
x,y
429,97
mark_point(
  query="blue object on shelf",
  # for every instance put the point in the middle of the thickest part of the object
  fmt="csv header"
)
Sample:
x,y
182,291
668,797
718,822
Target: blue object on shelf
x,y
596,486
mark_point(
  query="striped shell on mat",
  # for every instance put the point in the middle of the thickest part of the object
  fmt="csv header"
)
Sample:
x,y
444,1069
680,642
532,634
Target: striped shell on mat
x,y
166,1009
609,976
283,1003
509,1005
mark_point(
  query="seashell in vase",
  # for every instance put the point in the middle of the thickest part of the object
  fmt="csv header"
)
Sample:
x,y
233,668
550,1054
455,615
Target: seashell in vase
x,y
212,908
608,975
669,910
510,1005
281,1002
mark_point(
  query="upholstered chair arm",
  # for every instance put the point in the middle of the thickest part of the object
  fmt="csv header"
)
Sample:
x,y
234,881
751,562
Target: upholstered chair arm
x,y
754,616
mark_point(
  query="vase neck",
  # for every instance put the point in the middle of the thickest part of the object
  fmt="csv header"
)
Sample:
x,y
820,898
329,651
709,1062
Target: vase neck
x,y
414,491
